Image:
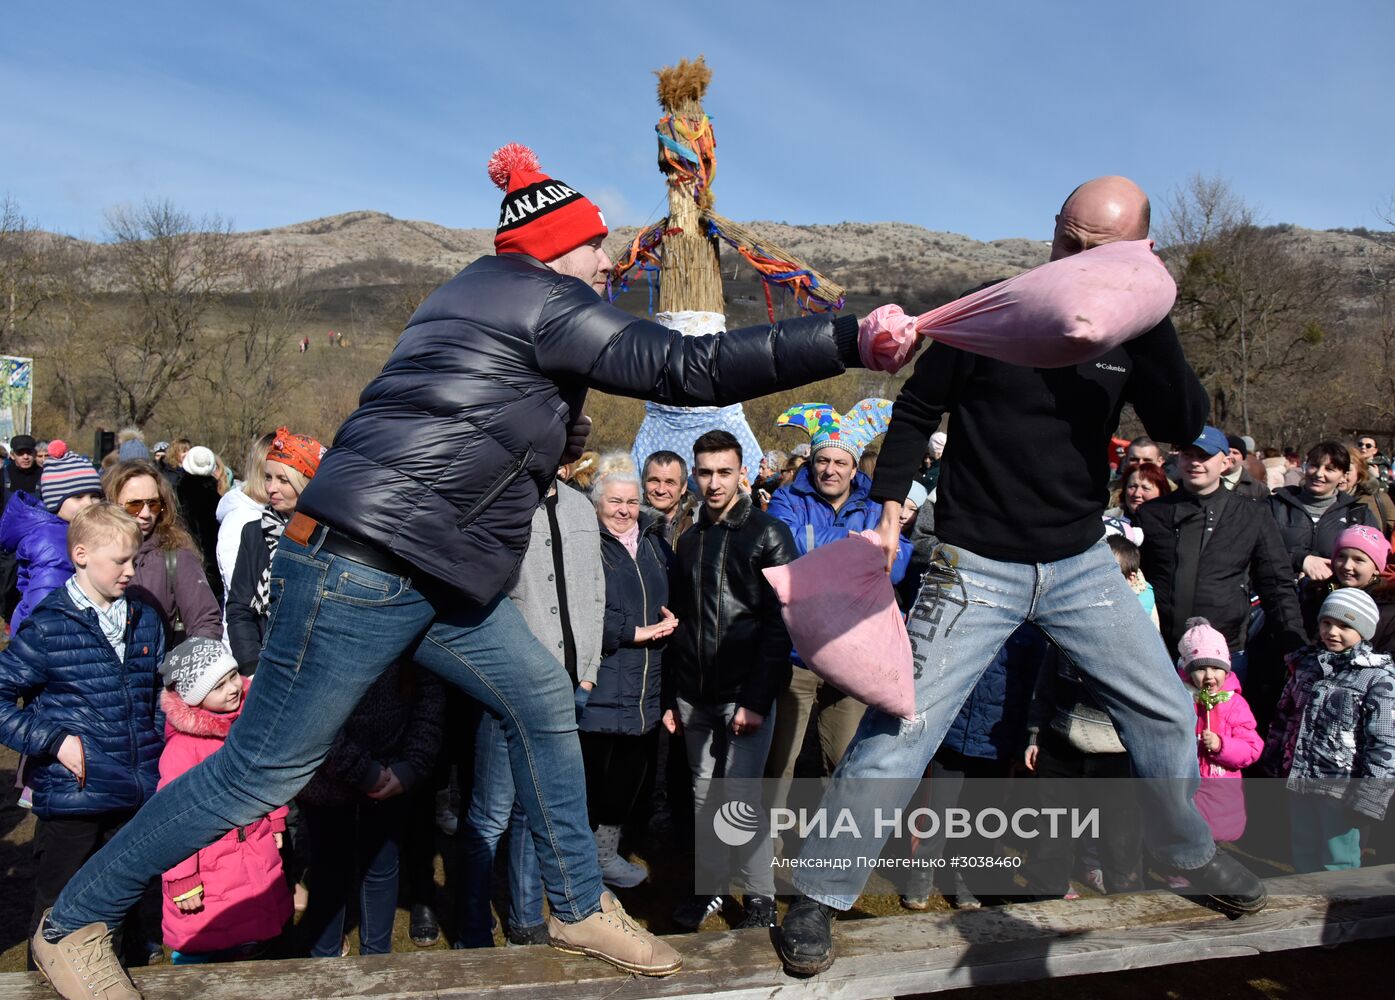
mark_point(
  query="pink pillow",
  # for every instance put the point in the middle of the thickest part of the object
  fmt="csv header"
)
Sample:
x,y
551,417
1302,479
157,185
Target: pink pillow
x,y
1061,313
840,610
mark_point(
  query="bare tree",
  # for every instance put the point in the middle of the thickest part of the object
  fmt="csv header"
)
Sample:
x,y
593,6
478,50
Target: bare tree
x,y
23,271
1251,310
245,371
172,269
68,333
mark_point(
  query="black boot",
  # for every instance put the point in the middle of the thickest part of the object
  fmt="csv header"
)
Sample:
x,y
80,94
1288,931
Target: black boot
x,y
423,928
806,937
760,912
1225,885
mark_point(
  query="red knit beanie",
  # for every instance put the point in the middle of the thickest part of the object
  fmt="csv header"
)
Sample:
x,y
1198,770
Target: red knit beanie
x,y
540,216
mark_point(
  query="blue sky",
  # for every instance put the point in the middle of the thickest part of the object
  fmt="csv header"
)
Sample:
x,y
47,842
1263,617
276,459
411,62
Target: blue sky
x,y
971,117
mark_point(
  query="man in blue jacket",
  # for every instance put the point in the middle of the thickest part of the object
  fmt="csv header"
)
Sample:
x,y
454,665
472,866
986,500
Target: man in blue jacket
x,y
828,500
399,551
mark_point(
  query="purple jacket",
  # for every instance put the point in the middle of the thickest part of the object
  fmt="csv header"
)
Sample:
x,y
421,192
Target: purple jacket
x,y
189,590
39,541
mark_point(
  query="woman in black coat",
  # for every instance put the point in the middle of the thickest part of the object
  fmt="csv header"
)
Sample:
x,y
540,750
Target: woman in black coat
x,y
290,465
1312,515
620,713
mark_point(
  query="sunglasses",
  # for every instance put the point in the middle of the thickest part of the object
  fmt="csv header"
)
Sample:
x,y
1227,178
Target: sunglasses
x,y
1367,445
134,507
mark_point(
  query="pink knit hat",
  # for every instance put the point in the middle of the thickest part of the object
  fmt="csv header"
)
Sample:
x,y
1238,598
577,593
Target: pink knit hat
x,y
1202,646
1364,539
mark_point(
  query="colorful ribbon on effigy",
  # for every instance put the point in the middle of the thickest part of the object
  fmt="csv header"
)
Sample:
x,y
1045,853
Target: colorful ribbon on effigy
x,y
805,284
688,147
801,282
640,253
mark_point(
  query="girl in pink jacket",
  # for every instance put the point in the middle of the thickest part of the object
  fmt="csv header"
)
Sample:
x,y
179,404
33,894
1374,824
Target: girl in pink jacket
x,y
230,898
1226,740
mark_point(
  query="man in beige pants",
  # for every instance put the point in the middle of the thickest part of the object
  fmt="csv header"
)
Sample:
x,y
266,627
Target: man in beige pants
x,y
827,500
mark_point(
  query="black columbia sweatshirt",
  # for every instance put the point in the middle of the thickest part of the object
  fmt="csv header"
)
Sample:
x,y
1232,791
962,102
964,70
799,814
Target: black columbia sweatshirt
x,y
1024,477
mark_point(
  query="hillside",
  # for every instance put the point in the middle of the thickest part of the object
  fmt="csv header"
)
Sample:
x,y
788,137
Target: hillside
x,y
358,248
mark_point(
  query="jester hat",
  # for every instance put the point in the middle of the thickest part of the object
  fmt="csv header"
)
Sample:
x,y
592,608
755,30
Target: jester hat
x,y
827,428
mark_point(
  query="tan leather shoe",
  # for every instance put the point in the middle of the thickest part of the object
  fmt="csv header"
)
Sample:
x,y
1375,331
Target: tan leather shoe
x,y
83,965
612,935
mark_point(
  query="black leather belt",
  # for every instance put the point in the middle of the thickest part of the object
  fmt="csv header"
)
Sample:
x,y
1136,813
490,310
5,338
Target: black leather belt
x,y
309,532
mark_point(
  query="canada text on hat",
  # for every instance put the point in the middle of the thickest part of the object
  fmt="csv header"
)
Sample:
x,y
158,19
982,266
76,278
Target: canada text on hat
x,y
540,216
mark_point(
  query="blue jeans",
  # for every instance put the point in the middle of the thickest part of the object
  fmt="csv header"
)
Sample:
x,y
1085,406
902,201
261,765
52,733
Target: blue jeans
x,y
335,626
353,848
967,607
493,809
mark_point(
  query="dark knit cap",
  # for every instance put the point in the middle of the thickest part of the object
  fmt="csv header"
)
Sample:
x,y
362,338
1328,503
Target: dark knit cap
x,y
69,475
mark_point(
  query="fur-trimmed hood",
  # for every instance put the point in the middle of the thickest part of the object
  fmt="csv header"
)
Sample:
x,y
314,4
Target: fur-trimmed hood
x,y
194,721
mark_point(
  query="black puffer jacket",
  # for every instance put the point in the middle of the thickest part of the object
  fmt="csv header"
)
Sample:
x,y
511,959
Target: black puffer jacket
x,y
629,681
1301,537
1244,552
455,442
731,644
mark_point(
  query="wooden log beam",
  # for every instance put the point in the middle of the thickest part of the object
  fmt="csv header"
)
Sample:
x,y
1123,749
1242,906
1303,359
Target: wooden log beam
x,y
883,957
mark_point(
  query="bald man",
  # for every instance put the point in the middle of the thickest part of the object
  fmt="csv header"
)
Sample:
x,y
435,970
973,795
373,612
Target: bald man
x,y
1024,541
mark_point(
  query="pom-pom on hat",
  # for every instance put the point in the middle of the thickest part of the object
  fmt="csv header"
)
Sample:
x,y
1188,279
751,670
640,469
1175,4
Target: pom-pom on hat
x,y
68,475
1202,646
194,666
1353,608
200,461
540,216
1364,539
827,428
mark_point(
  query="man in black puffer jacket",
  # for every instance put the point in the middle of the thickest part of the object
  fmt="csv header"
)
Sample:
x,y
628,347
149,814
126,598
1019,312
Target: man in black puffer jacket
x,y
399,550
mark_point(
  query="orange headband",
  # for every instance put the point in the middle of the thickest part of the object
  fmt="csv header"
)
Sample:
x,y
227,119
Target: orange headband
x,y
299,451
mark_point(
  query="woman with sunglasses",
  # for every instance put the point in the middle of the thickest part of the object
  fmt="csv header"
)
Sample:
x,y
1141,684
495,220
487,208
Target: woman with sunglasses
x,y
290,464
169,566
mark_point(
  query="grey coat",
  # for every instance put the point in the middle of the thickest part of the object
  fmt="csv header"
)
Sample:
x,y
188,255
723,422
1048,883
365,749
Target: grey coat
x,y
1332,732
533,586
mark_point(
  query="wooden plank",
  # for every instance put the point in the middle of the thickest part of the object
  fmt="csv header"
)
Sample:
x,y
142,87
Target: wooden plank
x,y
876,957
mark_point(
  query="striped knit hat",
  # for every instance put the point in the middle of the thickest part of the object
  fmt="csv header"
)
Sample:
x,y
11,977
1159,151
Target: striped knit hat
x,y
1353,608
67,475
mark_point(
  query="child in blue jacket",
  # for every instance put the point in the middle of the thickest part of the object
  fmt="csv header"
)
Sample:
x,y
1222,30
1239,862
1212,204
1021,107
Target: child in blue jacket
x,y
36,530
86,664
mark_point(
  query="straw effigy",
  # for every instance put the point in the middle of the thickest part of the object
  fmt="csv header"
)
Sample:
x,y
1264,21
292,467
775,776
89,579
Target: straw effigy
x,y
683,250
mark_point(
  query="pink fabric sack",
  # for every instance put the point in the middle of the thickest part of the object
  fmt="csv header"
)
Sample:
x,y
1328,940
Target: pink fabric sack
x,y
840,610
1061,313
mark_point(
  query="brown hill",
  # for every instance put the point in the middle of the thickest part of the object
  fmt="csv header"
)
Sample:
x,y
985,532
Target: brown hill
x,y
366,247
